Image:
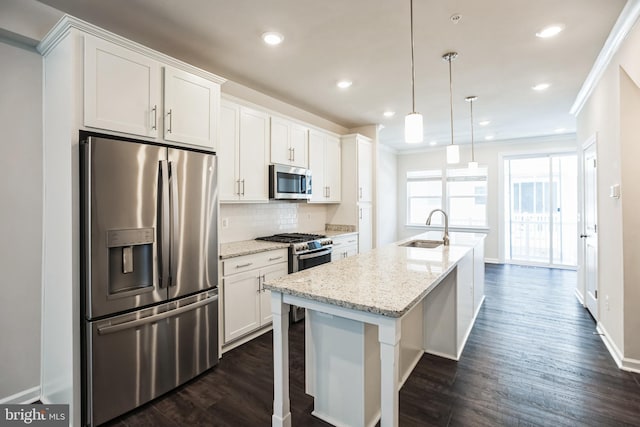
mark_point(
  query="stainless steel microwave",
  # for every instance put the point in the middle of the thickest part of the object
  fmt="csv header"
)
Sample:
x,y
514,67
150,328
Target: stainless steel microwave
x,y
289,183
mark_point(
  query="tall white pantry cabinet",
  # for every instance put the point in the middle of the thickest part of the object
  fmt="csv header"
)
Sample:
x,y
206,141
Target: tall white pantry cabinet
x,y
95,80
356,207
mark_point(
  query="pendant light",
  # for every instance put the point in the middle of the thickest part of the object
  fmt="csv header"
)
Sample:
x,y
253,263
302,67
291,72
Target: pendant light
x,y
453,151
472,164
413,132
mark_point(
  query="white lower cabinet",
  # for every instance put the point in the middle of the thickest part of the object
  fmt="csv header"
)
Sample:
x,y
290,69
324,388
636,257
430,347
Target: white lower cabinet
x,y
344,246
246,304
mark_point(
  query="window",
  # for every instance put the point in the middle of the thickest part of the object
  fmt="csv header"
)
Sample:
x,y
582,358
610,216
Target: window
x,y
463,195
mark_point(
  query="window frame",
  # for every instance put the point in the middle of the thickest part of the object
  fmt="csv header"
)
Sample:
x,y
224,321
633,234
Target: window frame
x,y
444,176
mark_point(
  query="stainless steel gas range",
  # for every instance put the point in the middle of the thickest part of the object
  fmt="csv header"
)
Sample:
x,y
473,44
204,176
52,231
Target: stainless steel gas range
x,y
305,251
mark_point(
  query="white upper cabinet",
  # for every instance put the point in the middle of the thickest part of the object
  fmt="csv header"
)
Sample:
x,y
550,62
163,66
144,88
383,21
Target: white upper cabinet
x,y
124,91
288,142
324,162
332,168
243,166
191,106
365,170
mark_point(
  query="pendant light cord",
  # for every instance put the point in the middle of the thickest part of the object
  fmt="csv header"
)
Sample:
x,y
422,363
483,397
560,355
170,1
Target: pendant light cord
x,y
473,157
451,97
413,68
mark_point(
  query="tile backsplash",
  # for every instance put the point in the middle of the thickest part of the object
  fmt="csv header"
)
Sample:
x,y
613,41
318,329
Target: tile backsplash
x,y
248,221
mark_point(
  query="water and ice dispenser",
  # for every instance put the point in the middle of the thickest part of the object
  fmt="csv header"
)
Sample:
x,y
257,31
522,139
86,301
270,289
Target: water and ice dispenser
x,y
130,259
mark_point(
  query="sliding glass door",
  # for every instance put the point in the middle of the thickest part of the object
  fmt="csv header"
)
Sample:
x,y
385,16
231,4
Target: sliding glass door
x,y
541,210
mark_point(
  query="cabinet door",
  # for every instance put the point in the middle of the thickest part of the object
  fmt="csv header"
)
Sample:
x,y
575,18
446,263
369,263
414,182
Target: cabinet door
x,y
269,273
191,105
365,228
241,304
298,142
254,164
122,89
464,298
365,171
280,152
332,159
228,152
319,192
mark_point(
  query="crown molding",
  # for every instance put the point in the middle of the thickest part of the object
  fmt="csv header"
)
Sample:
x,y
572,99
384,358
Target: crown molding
x,y
69,23
619,32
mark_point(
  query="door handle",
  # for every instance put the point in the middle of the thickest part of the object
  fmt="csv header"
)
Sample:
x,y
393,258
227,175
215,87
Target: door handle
x,y
164,227
170,114
242,181
155,117
294,154
582,236
173,180
139,322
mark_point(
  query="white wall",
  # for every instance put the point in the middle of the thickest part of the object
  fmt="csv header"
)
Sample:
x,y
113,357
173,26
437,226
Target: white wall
x,y
387,197
487,155
611,112
21,224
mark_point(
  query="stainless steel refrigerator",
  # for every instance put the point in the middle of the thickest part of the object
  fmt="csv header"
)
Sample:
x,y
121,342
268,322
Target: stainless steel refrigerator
x,y
149,269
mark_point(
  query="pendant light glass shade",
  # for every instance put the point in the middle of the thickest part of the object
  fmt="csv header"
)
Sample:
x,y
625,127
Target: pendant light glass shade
x,y
453,154
413,128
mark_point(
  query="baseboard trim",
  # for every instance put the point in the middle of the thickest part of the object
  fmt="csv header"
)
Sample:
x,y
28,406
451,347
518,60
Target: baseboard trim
x,y
26,396
631,365
579,296
492,261
614,351
246,338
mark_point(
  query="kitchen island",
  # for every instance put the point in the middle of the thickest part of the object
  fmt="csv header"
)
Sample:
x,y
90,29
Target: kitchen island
x,y
370,319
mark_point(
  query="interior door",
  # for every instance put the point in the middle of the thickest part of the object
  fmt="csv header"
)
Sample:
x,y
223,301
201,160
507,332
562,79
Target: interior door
x,y
193,204
590,230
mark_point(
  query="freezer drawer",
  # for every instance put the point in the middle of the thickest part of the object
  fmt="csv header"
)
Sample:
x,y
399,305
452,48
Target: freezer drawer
x,y
133,358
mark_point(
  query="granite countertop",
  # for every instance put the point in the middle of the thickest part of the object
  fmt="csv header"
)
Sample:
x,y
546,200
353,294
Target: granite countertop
x,y
247,247
335,233
387,281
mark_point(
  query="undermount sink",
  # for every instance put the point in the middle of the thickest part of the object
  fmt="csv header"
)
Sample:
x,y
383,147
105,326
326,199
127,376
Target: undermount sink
x,y
428,244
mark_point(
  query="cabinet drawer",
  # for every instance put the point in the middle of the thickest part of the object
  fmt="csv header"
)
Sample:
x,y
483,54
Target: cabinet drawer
x,y
253,261
341,241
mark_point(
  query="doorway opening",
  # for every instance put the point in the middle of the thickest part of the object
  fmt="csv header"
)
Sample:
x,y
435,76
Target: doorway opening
x,y
541,210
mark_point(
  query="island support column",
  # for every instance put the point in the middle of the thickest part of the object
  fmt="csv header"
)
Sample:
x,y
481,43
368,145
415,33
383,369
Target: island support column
x,y
281,404
389,333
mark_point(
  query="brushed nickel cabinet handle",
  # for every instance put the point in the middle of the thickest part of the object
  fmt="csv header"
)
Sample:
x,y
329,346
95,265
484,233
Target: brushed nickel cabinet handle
x,y
170,114
243,265
155,117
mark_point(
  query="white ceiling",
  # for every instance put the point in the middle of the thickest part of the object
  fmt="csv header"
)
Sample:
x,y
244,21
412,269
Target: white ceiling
x,y
367,41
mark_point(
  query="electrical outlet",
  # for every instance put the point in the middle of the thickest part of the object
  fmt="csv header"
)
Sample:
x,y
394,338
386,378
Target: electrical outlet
x,y
225,222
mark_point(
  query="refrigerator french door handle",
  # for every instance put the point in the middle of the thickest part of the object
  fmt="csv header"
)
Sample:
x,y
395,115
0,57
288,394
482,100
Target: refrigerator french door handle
x,y
156,317
173,181
164,226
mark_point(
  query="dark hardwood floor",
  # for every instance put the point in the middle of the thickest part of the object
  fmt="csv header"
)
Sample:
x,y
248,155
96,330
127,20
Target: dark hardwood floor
x,y
532,359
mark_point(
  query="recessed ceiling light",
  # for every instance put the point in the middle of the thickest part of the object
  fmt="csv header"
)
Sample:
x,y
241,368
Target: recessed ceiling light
x,y
343,84
433,143
272,38
389,113
489,137
549,31
559,130
541,86
484,122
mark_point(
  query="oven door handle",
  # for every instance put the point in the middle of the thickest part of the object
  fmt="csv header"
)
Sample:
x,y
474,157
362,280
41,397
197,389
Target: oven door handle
x,y
315,254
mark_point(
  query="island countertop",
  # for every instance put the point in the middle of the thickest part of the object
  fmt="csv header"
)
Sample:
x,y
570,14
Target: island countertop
x,y
388,281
